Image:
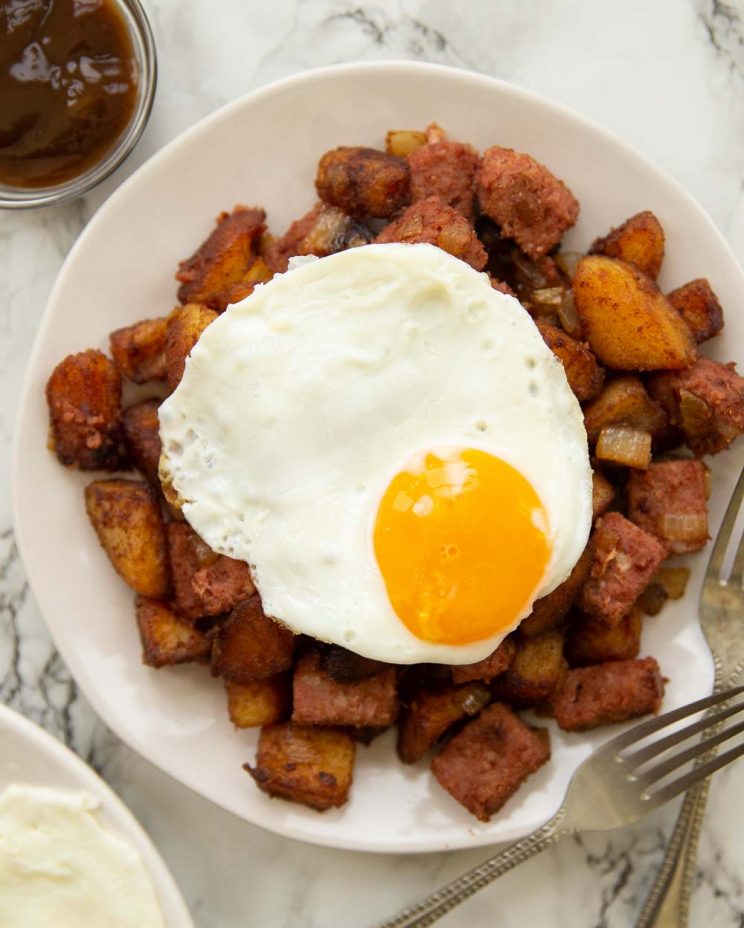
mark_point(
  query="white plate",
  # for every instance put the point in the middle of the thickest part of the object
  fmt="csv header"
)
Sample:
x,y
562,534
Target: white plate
x,y
31,757
263,149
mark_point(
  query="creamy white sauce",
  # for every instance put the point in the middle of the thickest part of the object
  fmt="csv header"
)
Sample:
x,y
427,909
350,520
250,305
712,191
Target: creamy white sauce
x,y
60,868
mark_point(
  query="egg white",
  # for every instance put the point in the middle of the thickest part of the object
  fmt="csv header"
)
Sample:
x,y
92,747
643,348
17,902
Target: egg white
x,y
298,406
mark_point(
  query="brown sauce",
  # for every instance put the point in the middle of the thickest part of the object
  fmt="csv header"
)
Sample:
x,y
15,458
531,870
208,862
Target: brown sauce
x,y
68,87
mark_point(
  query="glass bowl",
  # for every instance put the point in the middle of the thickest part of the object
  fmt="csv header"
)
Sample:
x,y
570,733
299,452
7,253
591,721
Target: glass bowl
x,y
143,47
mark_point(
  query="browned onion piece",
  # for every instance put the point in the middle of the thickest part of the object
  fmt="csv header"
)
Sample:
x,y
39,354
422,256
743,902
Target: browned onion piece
x,y
683,526
630,447
673,580
567,261
568,316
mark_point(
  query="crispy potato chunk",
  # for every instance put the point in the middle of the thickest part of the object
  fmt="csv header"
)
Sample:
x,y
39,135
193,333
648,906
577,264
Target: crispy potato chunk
x,y
305,764
204,583
535,671
250,645
213,275
166,637
624,402
639,241
432,713
142,433
584,375
592,642
84,398
699,307
127,519
603,493
551,609
629,323
363,182
185,325
139,350
259,702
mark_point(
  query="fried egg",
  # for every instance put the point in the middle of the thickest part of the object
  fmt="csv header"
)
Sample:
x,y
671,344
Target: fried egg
x,y
389,444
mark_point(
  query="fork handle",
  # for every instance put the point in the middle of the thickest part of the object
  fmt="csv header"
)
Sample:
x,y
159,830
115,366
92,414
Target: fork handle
x,y
432,907
668,902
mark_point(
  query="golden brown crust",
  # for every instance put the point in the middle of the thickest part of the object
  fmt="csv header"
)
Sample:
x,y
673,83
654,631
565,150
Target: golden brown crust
x,y
213,275
126,517
84,398
584,375
142,433
310,765
166,637
139,350
363,182
185,326
639,241
250,645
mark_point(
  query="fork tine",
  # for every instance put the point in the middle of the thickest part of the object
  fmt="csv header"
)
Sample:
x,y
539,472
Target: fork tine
x,y
683,757
724,535
620,744
642,755
737,571
696,775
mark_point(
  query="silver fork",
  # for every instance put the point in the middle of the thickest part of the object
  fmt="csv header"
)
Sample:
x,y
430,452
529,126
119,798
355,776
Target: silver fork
x,y
617,785
722,621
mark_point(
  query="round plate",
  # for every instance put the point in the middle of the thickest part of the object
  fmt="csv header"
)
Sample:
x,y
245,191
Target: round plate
x,y
31,757
263,149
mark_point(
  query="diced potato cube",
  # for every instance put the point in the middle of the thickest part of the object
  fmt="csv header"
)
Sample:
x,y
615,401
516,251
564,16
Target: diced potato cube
x,y
127,519
166,637
218,268
624,402
305,764
592,642
431,713
259,702
699,307
84,398
535,671
185,325
142,433
639,241
584,375
629,323
251,646
139,350
603,493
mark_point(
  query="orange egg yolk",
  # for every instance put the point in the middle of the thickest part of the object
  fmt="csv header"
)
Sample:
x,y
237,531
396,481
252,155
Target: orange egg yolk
x,y
461,542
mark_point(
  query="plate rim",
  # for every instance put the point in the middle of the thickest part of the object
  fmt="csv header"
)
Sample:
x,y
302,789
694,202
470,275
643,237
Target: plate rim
x,y
121,818
277,87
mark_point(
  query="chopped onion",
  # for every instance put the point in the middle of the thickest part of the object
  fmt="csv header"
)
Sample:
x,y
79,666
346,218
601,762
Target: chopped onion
x,y
569,317
683,526
567,261
548,298
673,580
630,447
402,142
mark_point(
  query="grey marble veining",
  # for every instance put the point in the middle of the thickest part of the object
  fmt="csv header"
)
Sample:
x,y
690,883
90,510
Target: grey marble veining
x,y
669,77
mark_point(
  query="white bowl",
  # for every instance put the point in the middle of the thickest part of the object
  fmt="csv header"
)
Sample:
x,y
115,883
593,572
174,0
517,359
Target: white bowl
x,y
263,149
31,757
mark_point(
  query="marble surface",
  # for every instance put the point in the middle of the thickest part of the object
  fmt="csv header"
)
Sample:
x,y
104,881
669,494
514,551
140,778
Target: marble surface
x,y
669,77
